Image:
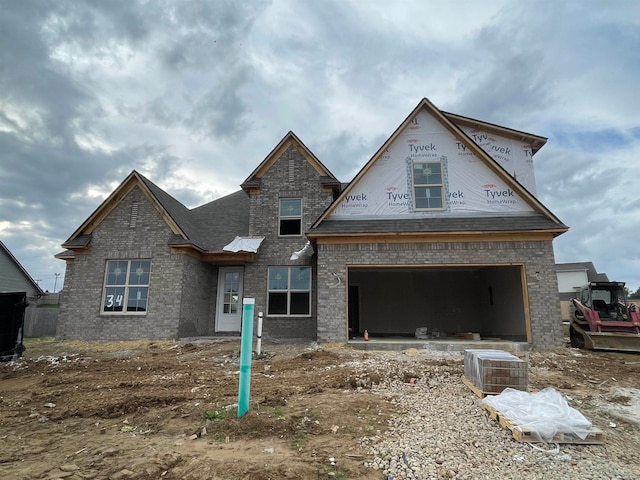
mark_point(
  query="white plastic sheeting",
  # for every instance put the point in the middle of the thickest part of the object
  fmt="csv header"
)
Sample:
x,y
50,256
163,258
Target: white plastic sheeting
x,y
303,253
244,244
545,413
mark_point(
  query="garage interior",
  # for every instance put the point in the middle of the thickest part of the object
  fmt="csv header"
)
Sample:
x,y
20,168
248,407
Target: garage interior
x,y
449,301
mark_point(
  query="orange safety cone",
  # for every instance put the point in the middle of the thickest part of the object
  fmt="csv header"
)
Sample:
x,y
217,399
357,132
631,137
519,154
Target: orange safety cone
x,y
366,336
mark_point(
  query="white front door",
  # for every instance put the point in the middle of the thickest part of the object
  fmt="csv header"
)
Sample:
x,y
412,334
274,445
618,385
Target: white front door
x,y
229,300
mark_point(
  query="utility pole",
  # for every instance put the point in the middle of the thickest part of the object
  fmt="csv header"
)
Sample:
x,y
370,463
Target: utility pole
x,y
55,283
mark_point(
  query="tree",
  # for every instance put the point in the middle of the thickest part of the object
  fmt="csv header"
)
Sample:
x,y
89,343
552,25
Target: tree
x,y
635,295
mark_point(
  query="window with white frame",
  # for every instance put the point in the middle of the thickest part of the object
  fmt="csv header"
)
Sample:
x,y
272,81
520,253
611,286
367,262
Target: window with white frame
x,y
427,186
126,286
290,216
289,291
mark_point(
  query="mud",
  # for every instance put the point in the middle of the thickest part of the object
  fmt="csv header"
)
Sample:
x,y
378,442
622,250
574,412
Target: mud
x,y
149,410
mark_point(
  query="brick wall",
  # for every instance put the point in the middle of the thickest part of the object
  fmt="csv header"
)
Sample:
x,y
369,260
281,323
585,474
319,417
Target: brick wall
x,y
80,311
197,312
537,257
290,176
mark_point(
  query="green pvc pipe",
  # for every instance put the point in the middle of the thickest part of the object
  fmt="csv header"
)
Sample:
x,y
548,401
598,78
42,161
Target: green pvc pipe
x,y
246,348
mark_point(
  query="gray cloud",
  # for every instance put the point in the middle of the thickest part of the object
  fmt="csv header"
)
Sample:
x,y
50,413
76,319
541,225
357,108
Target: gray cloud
x,y
200,91
220,112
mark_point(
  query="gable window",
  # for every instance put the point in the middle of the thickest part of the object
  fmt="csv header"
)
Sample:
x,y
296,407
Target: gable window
x,y
427,186
289,291
126,286
290,216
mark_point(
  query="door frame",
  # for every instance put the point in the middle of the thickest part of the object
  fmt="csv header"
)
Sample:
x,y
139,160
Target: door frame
x,y
220,298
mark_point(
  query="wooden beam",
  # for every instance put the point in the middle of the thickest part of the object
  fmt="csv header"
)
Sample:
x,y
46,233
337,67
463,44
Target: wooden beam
x,y
217,258
431,237
525,301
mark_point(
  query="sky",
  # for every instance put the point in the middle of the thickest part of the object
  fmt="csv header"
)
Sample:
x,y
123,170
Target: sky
x,y
195,94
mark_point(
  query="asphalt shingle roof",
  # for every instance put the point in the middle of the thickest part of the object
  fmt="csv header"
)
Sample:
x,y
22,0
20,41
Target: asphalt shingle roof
x,y
210,226
592,273
221,220
180,214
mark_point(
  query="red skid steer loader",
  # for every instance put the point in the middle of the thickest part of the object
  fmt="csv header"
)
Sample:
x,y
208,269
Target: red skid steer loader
x,y
602,319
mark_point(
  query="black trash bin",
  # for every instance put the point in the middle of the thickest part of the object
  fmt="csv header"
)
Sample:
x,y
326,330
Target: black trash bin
x,y
12,307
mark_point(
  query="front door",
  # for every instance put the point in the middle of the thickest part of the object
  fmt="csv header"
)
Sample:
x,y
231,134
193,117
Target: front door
x,y
229,300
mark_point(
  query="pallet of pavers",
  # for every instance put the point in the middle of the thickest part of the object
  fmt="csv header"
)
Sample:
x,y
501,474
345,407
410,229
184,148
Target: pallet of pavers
x,y
543,416
489,372
594,436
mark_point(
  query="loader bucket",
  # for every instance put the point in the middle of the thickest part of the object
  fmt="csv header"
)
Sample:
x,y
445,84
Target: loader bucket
x,y
622,342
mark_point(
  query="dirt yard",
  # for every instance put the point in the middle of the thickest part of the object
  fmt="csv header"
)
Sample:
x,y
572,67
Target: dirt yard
x,y
150,410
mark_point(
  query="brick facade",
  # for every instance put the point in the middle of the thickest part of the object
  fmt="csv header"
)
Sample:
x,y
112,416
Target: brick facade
x,y
198,299
291,176
184,275
537,257
81,314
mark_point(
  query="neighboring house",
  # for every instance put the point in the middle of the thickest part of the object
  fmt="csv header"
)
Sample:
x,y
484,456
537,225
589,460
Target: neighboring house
x,y
572,276
13,276
440,230
17,291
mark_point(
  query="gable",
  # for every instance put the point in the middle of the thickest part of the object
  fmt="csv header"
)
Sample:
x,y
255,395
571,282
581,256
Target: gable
x,y
133,180
290,140
202,232
515,156
14,277
133,217
472,182
290,168
470,186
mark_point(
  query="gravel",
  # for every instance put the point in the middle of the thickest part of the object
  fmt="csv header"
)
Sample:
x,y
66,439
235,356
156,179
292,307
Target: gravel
x,y
441,431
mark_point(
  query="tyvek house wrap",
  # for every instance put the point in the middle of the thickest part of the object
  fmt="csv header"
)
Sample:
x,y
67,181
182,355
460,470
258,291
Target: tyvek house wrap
x,y
470,187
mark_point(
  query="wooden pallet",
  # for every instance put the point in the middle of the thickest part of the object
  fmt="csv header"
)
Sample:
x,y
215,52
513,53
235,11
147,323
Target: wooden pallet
x,y
475,389
594,437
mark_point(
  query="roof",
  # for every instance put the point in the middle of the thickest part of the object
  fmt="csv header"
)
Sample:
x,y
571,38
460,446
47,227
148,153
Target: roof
x,y
14,260
198,228
253,180
180,214
166,205
508,223
537,142
231,211
592,273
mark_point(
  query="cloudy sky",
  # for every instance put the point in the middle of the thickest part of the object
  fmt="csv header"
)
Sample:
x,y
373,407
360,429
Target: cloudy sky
x,y
194,94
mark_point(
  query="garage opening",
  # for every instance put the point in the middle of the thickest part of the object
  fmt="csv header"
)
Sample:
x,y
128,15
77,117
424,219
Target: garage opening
x,y
443,302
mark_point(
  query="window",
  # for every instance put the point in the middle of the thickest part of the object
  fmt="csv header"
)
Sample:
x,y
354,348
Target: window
x,y
289,291
231,287
290,216
126,286
427,186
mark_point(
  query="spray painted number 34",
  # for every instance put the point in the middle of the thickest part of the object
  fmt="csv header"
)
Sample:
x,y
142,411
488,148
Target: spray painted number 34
x,y
114,300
